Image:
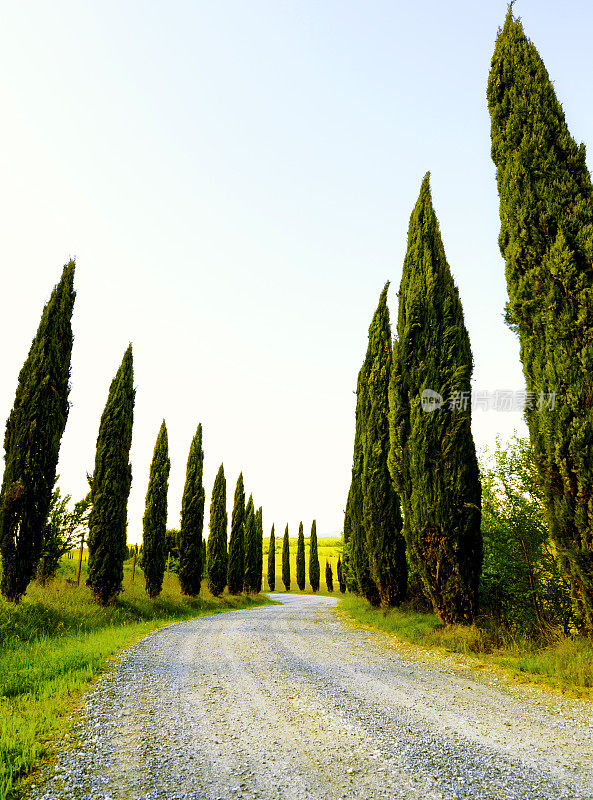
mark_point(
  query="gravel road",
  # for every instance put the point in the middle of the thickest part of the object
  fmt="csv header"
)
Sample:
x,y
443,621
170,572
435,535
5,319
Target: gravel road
x,y
292,702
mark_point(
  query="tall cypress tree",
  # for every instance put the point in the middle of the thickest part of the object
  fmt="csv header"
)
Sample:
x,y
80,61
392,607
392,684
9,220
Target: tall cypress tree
x,y
546,239
217,541
433,458
340,572
300,559
286,560
329,577
155,516
192,520
110,487
272,562
314,559
251,564
381,507
259,529
236,568
32,440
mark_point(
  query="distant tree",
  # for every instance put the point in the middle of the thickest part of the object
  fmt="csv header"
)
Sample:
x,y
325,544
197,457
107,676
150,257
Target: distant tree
x,y
314,559
286,560
546,239
300,559
191,543
217,541
32,441
259,527
251,552
340,575
236,568
110,487
433,457
272,561
62,532
155,516
172,549
329,577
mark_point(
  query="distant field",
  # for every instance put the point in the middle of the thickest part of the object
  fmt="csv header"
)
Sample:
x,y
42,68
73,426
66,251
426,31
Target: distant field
x,y
328,548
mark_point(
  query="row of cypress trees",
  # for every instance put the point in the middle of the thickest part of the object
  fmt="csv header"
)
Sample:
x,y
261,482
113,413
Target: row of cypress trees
x,y
300,560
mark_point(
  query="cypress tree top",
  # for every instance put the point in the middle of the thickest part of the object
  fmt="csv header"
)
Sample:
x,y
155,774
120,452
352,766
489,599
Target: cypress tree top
x,y
32,440
154,558
110,487
192,520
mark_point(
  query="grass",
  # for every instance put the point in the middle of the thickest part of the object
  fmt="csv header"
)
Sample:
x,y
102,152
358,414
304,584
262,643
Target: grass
x,y
56,641
562,663
328,549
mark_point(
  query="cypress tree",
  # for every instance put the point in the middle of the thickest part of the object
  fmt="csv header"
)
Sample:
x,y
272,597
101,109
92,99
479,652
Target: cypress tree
x,y
217,541
340,572
110,487
329,577
155,516
381,506
433,458
272,561
191,543
300,559
314,559
236,569
259,528
546,239
32,440
251,562
286,560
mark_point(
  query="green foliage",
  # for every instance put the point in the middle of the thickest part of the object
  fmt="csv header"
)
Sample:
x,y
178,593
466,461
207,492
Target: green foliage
x,y
340,572
32,440
110,487
521,584
272,561
314,559
204,559
432,458
236,568
286,560
251,551
300,559
259,530
191,554
63,531
382,518
329,577
546,239
217,541
155,516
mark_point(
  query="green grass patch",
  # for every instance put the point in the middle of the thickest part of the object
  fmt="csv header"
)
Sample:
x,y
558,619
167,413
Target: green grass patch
x,y
562,662
57,640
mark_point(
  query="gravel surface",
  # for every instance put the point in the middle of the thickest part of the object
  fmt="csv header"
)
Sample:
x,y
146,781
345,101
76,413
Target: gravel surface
x,y
293,702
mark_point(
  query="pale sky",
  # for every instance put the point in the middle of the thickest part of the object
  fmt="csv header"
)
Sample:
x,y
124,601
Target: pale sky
x,y
235,180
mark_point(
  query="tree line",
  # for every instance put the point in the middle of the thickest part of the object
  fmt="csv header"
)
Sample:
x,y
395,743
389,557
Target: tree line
x,y
413,515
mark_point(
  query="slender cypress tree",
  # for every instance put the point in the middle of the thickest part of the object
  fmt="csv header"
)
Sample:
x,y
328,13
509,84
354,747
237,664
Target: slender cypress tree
x,y
546,239
110,487
314,559
329,577
236,568
192,520
381,508
433,458
272,562
32,441
155,517
300,559
286,560
340,572
217,541
251,562
259,529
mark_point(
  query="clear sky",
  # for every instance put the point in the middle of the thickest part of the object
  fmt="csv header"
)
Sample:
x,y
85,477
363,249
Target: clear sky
x,y
235,180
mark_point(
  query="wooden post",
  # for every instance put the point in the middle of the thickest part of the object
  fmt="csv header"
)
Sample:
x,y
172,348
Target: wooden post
x,y
80,559
134,564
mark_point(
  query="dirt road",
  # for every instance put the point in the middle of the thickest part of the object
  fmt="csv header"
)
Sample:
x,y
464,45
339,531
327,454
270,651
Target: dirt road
x,y
291,702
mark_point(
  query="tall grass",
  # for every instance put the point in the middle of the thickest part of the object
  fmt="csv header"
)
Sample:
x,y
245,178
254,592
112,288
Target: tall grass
x,y
561,662
56,641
